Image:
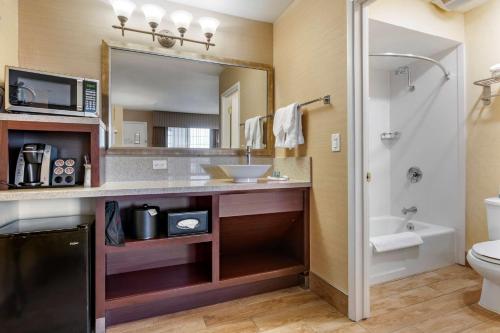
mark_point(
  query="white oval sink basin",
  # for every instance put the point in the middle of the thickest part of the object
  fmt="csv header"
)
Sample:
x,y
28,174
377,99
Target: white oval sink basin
x,y
242,173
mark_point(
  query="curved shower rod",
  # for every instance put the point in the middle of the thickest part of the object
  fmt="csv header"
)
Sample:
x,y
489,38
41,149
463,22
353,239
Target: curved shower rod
x,y
413,56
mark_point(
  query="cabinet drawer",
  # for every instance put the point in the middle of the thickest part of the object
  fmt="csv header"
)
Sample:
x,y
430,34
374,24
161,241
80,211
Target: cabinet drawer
x,y
260,203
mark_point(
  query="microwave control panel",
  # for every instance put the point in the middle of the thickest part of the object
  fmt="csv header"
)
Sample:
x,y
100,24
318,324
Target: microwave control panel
x,y
90,93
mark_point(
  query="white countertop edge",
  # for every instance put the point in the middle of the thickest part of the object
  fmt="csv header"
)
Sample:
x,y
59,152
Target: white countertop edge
x,y
145,188
43,118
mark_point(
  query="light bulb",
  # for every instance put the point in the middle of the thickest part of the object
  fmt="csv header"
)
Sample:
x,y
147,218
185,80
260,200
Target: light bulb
x,y
208,26
123,9
153,15
182,20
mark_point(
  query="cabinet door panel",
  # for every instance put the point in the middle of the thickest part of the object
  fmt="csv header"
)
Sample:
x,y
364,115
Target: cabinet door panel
x,y
261,203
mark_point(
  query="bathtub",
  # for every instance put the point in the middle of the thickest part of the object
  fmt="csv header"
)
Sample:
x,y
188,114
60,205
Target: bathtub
x,y
437,251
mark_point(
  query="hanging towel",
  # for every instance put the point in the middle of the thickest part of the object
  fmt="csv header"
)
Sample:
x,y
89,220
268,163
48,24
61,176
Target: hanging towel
x,y
397,241
287,127
259,135
253,133
495,70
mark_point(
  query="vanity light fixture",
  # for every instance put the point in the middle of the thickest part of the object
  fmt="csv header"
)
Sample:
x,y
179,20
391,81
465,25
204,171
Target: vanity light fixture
x,y
208,25
123,9
182,21
154,15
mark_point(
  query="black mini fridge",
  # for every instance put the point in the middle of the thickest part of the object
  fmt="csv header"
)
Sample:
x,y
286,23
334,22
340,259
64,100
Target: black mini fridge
x,y
45,275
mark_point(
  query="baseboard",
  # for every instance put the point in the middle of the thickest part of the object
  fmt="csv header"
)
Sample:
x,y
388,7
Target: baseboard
x,y
329,293
467,261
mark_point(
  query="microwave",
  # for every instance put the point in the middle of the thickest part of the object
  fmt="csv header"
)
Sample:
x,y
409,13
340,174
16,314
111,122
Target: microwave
x,y
34,91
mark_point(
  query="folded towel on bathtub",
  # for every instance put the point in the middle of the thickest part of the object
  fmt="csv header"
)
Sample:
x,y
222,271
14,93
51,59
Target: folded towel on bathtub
x,y
397,241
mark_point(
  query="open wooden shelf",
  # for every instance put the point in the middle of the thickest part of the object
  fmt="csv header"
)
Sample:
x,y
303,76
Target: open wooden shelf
x,y
132,244
259,265
144,282
71,139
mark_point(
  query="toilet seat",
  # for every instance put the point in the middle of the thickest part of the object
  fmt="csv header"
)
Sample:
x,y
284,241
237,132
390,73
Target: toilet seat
x,y
487,251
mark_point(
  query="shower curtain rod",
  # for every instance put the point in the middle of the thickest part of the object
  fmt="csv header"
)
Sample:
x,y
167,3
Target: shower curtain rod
x,y
413,56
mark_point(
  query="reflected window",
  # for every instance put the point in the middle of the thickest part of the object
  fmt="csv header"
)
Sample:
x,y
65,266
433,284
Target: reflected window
x,y
178,137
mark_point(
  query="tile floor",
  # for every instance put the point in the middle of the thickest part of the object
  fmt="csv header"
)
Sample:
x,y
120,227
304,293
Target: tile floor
x,y
440,301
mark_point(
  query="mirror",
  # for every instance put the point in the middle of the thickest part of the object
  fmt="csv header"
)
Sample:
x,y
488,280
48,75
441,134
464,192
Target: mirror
x,y
161,101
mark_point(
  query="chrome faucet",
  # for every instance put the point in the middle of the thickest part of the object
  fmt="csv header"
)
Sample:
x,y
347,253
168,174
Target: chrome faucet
x,y
248,154
411,210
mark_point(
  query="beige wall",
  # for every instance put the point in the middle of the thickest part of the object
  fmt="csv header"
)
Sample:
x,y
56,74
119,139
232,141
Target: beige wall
x,y
482,29
419,15
253,92
8,35
65,36
310,58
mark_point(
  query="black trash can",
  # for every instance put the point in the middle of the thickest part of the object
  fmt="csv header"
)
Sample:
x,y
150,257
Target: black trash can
x,y
146,222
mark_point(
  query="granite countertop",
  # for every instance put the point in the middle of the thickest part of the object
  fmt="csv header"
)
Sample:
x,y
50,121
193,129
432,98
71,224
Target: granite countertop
x,y
147,187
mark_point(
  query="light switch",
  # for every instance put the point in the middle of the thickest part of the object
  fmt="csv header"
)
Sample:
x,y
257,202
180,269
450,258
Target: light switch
x,y
335,142
159,164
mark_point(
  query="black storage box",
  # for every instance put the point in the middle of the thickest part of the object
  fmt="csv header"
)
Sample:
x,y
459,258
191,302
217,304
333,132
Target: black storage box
x,y
187,223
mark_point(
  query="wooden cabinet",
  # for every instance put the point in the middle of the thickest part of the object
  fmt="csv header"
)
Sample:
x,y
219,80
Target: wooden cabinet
x,y
258,242
260,203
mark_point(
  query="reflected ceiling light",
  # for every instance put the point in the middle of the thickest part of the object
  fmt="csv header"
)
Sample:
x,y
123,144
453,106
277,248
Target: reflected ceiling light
x,y
154,15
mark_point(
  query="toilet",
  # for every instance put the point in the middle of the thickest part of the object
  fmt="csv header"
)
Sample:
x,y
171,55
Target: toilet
x,y
485,258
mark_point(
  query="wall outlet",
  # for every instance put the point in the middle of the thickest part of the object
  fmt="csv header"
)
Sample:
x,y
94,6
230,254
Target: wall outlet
x,y
335,142
159,164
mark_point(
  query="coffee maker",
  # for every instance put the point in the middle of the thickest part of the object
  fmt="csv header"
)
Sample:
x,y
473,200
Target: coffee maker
x,y
34,164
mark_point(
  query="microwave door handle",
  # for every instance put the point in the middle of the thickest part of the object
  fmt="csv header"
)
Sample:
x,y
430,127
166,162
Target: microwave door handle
x,y
79,95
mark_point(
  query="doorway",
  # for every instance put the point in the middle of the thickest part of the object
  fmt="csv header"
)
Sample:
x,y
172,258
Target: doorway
x,y
406,153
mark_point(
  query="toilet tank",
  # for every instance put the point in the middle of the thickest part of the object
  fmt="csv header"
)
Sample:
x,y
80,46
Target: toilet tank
x,y
493,217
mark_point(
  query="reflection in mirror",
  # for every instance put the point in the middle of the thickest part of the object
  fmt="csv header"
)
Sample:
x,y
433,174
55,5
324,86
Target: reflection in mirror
x,y
163,101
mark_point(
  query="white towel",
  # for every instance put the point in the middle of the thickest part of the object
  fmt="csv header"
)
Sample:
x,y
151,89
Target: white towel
x,y
397,241
253,133
287,127
495,70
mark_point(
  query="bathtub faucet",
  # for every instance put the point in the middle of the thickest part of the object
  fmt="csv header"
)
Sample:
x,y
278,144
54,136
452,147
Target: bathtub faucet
x,y
411,210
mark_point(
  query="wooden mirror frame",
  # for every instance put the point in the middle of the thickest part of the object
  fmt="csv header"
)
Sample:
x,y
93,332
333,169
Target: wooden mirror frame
x,y
106,48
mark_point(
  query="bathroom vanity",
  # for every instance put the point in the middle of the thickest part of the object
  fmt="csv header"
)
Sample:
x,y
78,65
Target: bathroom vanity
x,y
258,241
258,237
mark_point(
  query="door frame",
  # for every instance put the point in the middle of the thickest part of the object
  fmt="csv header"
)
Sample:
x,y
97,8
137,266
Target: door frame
x,y
227,93
358,213
358,230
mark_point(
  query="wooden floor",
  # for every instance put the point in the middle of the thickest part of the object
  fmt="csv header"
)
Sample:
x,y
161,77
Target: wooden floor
x,y
441,301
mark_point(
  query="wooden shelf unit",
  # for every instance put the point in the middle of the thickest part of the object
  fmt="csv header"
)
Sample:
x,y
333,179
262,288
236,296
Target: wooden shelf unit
x,y
72,139
259,265
245,253
133,287
134,245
